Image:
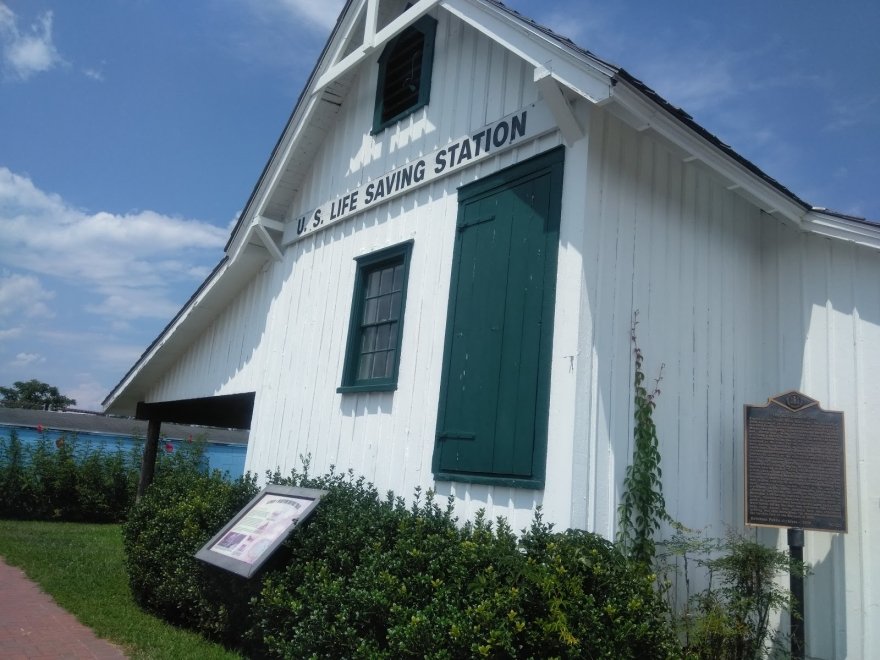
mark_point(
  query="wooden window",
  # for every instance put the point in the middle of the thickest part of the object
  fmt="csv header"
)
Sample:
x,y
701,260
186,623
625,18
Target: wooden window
x,y
405,65
372,357
495,388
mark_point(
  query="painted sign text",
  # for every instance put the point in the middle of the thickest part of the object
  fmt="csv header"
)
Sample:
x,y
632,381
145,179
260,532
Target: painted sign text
x,y
505,133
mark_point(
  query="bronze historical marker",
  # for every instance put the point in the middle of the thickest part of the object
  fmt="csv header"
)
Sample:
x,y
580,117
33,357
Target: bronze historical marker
x,y
795,465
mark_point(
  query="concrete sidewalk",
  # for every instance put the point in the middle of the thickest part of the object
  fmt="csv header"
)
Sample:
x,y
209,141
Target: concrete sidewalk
x,y
32,625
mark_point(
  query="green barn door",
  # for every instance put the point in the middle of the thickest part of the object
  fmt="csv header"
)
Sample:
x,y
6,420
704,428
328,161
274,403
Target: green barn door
x,y
492,421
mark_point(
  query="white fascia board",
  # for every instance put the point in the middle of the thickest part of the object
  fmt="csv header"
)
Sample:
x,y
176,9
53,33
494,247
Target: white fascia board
x,y
647,114
295,129
572,69
379,39
832,226
214,294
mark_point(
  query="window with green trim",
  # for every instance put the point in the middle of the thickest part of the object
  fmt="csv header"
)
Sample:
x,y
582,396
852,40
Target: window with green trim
x,y
405,65
372,356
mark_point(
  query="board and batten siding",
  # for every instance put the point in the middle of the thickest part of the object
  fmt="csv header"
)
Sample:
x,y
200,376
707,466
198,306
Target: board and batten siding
x,y
663,238
294,316
737,306
822,335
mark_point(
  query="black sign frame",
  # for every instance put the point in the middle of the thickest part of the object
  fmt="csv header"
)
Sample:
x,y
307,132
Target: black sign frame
x,y
246,542
789,504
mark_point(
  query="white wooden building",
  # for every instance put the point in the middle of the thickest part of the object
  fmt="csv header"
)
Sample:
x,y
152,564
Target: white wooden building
x,y
434,280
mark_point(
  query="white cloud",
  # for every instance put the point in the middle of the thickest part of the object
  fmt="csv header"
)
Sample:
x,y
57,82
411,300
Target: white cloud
x,y
321,13
29,51
708,85
118,356
23,295
131,304
94,74
27,359
87,392
10,333
7,18
105,349
130,263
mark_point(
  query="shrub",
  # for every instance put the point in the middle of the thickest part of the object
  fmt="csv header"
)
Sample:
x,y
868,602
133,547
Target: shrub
x,y
64,480
14,478
182,509
369,576
730,618
733,619
375,579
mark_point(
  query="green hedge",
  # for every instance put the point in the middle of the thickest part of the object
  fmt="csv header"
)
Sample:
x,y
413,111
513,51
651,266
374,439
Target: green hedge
x,y
65,480
368,576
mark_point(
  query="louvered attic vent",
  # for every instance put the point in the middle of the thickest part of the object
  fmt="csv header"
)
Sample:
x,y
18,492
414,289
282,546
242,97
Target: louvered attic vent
x,y
405,65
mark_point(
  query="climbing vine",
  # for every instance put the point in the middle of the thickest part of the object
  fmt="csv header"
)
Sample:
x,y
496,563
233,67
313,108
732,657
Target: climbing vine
x,y
642,508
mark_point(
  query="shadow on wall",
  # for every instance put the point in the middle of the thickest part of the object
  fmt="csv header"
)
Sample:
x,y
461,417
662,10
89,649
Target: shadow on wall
x,y
740,307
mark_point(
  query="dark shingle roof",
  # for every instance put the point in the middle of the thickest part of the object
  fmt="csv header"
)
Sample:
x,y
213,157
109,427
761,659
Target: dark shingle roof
x,y
678,113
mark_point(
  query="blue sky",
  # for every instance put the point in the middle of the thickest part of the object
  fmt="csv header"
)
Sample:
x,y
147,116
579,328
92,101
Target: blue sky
x,y
133,131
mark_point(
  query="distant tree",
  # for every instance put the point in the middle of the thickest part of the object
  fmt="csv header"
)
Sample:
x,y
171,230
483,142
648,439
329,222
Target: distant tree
x,y
34,395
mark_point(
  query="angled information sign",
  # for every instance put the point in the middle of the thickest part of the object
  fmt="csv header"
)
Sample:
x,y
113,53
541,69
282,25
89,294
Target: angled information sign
x,y
248,540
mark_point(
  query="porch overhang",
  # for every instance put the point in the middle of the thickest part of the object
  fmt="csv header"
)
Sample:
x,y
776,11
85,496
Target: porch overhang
x,y
225,411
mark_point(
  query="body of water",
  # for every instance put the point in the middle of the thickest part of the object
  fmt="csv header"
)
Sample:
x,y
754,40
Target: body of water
x,y
225,457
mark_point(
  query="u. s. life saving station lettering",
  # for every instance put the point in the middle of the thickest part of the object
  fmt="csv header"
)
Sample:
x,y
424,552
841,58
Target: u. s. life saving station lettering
x,y
514,129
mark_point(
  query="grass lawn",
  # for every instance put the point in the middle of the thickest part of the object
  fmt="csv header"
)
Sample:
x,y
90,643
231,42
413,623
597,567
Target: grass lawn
x,y
80,566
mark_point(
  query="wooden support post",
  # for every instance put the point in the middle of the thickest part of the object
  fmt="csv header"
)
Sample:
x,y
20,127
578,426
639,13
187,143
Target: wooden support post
x,y
148,464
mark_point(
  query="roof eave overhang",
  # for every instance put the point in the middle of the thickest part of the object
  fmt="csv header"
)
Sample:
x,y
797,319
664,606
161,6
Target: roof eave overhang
x,y
640,111
586,76
861,232
643,113
292,129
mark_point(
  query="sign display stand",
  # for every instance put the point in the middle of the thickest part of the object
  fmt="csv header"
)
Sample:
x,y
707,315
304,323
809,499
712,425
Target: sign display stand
x,y
795,474
796,585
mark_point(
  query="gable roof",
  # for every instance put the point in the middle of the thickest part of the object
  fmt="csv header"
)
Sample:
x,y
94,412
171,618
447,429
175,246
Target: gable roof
x,y
562,67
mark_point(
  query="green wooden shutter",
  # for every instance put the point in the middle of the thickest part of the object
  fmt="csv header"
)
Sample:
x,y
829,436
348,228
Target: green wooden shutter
x,y
492,420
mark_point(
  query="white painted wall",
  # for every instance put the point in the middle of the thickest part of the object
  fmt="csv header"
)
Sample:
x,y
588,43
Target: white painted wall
x,y
285,335
737,306
823,336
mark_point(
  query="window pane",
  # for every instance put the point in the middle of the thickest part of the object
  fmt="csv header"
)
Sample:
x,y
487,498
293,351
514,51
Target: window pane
x,y
373,284
379,365
398,278
365,367
395,306
387,280
384,308
368,345
389,364
370,309
383,334
392,339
